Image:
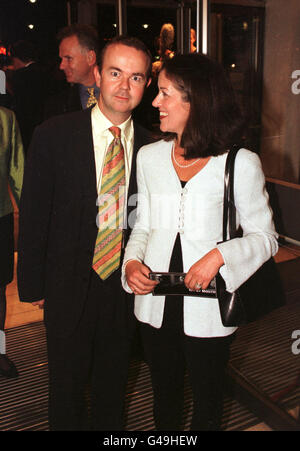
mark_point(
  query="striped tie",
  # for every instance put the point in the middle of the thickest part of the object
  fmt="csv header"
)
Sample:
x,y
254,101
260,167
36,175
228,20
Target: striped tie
x,y
111,207
92,99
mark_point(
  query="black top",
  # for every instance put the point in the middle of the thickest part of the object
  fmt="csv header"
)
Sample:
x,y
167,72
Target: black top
x,y
176,259
173,311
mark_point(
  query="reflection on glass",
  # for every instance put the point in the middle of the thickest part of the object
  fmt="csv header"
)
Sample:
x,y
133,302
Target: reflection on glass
x,y
193,48
165,47
233,39
106,20
154,18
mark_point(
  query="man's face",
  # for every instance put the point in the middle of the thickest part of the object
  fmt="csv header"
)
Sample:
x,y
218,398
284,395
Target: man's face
x,y
76,61
122,81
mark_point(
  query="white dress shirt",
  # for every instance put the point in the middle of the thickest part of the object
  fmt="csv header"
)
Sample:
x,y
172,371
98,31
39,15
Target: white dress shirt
x,y
102,138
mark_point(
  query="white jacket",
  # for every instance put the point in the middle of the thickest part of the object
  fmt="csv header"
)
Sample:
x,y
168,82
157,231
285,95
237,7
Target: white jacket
x,y
196,211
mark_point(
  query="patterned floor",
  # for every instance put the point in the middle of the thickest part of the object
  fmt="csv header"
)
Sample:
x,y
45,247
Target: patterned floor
x,y
262,355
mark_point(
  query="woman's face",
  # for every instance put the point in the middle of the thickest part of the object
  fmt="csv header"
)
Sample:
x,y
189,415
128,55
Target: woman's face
x,y
173,111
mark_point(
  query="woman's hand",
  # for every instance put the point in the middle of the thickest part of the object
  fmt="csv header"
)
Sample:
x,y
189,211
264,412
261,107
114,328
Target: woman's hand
x,y
204,270
137,276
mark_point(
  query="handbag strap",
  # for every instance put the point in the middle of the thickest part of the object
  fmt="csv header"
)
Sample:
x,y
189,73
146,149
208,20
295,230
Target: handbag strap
x,y
229,210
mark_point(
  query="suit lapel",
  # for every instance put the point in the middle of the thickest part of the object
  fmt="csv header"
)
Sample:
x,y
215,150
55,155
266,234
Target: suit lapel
x,y
84,152
73,98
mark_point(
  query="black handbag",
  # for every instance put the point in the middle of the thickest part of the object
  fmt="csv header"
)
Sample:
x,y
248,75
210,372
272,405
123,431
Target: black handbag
x,y
263,291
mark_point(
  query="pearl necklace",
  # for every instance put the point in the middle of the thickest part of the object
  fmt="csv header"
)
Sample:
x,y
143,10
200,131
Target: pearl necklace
x,y
182,165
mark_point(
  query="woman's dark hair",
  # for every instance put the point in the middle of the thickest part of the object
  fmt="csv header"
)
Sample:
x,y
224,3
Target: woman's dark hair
x,y
215,120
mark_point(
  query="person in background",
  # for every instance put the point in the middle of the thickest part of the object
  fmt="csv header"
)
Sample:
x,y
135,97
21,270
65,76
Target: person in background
x,y
78,45
74,214
5,89
179,229
11,175
193,48
28,85
165,43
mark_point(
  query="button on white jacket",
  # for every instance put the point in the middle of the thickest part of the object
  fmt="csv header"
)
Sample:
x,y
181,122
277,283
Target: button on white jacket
x,y
165,209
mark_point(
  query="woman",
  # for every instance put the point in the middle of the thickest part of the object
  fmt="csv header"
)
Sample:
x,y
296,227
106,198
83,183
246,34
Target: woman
x,y
165,41
178,228
11,174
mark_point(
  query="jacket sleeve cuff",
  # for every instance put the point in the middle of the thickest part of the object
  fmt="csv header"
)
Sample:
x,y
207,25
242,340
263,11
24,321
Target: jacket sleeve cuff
x,y
123,277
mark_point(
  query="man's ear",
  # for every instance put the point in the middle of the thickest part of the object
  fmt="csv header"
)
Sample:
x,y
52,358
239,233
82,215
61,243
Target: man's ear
x,y
149,82
97,76
91,57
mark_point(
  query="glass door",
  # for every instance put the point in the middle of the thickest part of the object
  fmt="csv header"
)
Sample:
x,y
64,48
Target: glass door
x,y
236,41
155,23
234,37
106,20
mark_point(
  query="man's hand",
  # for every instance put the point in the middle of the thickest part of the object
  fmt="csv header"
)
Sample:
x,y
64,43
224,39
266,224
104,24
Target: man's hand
x,y
39,303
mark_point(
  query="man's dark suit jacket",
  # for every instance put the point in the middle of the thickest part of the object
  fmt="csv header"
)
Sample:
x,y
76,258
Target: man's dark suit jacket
x,y
29,85
66,100
58,217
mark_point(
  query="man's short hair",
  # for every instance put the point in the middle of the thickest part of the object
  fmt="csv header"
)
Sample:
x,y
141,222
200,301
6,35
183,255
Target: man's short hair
x,y
24,50
87,35
129,42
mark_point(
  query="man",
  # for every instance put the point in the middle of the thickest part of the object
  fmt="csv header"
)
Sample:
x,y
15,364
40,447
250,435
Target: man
x,y
77,50
28,83
89,318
